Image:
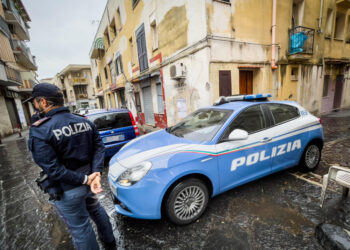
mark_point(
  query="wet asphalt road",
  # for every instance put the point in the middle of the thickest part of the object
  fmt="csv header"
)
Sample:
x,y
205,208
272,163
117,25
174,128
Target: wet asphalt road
x,y
279,211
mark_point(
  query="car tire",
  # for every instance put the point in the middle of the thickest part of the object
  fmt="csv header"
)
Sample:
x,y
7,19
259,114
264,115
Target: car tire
x,y
310,158
186,201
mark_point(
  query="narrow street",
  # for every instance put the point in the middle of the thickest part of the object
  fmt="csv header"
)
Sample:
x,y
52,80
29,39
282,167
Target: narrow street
x,y
279,211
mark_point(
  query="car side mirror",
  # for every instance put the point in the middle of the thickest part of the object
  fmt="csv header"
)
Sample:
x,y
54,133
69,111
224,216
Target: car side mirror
x,y
238,134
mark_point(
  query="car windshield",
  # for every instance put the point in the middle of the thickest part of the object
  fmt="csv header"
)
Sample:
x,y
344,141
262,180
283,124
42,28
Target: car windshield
x,y
201,126
110,120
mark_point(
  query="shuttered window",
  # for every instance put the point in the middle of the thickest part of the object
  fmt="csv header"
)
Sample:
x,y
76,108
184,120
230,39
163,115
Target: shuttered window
x,y
141,48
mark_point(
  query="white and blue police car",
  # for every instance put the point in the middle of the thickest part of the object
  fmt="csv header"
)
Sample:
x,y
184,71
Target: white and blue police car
x,y
173,172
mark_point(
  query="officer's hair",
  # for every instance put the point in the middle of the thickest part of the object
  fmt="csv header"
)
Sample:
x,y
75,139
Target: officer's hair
x,y
55,101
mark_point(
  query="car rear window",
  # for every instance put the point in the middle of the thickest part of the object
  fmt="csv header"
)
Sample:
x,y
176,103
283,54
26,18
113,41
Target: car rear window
x,y
110,120
282,112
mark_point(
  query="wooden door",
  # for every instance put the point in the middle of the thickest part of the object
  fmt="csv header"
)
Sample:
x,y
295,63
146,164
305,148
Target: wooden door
x,y
225,83
245,82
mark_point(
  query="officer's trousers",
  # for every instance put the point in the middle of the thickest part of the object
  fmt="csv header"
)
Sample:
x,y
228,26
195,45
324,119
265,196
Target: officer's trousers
x,y
74,208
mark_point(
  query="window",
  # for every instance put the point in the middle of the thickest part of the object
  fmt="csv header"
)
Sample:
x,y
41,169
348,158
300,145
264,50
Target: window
x,y
113,29
132,51
329,23
154,33
348,31
107,40
202,125
80,91
160,98
297,13
138,102
109,68
118,65
141,48
339,26
110,121
325,86
251,120
98,82
282,113
294,74
134,3
106,73
119,20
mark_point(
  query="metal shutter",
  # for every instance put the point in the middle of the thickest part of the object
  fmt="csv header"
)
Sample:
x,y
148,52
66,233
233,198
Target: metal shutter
x,y
148,105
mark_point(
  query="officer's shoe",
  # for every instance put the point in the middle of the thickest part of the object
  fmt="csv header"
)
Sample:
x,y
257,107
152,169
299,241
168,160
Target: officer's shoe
x,y
109,245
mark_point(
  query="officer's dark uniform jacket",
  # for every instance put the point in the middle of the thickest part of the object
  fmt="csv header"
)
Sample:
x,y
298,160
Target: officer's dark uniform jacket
x,y
67,147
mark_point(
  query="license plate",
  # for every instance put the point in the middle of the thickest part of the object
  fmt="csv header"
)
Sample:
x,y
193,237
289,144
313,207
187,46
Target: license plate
x,y
113,188
114,138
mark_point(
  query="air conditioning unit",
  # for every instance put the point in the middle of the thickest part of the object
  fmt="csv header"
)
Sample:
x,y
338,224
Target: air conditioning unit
x,y
178,71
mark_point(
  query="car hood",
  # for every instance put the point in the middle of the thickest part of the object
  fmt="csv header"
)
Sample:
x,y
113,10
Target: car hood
x,y
146,147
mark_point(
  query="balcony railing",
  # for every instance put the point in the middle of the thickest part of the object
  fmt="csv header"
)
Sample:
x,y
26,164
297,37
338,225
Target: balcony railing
x,y
4,27
13,17
27,59
301,40
13,75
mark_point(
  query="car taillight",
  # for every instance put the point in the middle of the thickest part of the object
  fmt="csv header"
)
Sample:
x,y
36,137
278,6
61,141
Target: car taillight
x,y
319,119
137,133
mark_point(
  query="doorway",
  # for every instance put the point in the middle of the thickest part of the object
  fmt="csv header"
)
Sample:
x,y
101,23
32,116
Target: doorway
x,y
245,82
225,83
338,93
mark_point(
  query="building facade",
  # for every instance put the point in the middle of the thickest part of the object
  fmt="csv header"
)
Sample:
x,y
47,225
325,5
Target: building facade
x,y
75,81
165,59
17,67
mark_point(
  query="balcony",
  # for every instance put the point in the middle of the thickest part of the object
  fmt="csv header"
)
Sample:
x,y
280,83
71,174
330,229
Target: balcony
x,y
13,17
78,81
24,55
27,87
9,77
4,28
301,43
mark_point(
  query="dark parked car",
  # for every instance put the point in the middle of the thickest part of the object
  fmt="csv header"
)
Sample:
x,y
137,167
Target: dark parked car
x,y
116,127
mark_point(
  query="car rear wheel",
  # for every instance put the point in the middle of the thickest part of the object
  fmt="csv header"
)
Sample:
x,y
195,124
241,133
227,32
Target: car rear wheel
x,y
187,201
311,158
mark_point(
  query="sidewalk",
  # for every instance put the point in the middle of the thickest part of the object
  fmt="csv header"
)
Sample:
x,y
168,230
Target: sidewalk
x,y
15,136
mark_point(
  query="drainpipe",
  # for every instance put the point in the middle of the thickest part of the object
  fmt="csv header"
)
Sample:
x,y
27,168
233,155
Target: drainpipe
x,y
321,16
274,11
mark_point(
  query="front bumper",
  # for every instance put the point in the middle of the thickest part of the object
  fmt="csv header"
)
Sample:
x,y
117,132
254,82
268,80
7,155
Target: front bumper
x,y
141,200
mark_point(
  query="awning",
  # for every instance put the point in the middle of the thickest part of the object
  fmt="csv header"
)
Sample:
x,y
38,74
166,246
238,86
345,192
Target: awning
x,y
98,46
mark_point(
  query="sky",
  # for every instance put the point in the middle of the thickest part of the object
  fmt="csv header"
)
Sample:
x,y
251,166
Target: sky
x,y
62,32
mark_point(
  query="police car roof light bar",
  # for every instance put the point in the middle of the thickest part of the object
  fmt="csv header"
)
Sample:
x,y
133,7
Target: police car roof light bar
x,y
234,98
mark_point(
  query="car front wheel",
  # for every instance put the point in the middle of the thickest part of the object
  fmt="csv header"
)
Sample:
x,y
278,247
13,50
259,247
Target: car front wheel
x,y
187,201
311,158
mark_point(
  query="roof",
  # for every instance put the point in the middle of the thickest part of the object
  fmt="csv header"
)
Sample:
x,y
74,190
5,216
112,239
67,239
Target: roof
x,y
75,68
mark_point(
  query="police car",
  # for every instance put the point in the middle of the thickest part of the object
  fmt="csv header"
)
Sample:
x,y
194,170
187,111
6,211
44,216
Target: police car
x,y
116,127
174,172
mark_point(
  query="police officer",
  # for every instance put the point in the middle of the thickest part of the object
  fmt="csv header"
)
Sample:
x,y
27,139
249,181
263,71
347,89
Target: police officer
x,y
70,152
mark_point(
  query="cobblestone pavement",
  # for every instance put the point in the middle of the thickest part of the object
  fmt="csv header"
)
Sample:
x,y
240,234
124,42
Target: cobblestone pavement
x,y
279,211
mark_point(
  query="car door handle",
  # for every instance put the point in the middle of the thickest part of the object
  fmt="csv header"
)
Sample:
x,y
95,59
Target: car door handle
x,y
266,139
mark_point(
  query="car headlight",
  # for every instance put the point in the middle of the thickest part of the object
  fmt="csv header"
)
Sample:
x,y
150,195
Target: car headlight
x,y
134,174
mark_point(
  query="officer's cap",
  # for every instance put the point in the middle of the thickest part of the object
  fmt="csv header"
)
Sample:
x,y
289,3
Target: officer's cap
x,y
45,90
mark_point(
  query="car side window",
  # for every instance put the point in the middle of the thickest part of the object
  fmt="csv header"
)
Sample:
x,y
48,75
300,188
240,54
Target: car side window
x,y
282,112
251,120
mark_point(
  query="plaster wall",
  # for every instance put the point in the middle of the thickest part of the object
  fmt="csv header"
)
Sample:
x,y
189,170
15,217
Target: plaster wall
x,y
5,122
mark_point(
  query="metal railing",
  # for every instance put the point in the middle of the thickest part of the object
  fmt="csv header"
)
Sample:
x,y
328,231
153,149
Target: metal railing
x,y
4,27
20,46
13,75
301,40
18,17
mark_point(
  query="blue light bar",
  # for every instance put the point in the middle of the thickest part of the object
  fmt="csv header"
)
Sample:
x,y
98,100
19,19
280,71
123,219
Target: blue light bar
x,y
226,99
257,96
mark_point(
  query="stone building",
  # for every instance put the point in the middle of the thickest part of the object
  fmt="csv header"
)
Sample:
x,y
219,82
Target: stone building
x,y
165,59
17,67
76,83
